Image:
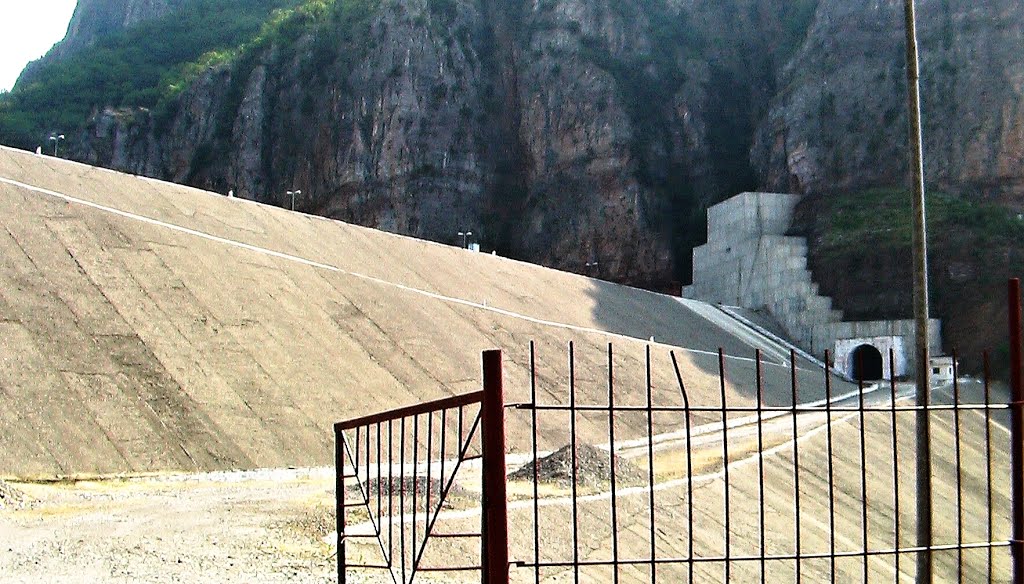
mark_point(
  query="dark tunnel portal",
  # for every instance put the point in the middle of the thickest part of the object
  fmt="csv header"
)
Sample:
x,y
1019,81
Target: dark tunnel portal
x,y
867,363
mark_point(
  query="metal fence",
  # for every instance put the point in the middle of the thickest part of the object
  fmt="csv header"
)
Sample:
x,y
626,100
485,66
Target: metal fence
x,y
812,493
647,486
396,474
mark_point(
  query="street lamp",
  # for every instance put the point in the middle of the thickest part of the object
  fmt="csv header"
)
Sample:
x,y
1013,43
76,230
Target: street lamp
x,y
292,195
464,235
56,140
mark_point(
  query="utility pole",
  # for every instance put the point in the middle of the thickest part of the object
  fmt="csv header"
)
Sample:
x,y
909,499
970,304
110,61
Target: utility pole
x,y
920,254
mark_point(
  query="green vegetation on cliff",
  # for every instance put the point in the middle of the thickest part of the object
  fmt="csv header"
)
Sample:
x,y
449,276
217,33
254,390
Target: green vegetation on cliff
x,y
882,218
139,68
861,256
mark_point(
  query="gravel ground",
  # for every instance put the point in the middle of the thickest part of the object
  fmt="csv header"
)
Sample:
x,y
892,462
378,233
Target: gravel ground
x,y
10,497
267,526
263,526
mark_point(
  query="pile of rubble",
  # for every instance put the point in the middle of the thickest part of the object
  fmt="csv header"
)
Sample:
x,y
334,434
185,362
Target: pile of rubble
x,y
593,468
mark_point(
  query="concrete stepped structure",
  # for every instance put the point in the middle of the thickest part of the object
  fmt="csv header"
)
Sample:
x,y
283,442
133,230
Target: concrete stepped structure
x,y
750,262
146,326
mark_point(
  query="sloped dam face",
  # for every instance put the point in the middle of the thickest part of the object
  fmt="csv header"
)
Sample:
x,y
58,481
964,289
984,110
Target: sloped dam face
x,y
146,326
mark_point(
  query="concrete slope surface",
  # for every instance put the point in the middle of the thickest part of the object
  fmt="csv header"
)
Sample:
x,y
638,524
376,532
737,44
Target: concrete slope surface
x,y
146,326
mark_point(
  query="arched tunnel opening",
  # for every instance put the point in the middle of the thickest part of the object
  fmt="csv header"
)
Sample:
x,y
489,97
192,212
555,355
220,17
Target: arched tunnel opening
x,y
867,363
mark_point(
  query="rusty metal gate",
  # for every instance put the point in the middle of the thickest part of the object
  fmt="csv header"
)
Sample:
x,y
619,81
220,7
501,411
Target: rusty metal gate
x,y
395,471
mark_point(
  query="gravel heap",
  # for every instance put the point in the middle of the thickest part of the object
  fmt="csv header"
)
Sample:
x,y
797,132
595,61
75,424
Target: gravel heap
x,y
9,496
593,468
397,485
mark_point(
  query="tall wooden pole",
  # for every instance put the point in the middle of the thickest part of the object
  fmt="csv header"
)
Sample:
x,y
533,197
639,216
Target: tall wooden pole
x,y
1016,432
920,253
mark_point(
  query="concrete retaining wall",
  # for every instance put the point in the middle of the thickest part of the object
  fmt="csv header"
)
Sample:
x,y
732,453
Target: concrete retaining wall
x,y
749,261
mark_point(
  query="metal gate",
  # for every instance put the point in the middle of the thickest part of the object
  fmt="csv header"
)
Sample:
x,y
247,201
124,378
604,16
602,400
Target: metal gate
x,y
658,484
395,475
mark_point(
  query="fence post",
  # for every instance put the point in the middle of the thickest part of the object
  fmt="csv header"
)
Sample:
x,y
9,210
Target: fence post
x,y
494,542
339,487
1017,430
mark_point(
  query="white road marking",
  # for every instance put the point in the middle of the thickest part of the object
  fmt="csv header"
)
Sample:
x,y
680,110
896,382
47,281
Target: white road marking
x,y
365,277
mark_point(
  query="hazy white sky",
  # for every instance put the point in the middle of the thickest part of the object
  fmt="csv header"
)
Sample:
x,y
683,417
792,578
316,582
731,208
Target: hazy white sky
x,y
28,28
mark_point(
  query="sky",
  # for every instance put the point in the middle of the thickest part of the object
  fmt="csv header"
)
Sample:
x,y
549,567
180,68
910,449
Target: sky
x,y
28,28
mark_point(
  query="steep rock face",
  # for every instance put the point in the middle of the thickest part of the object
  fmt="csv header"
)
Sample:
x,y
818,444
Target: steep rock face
x,y
375,126
590,135
585,135
636,115
840,123
580,200
839,128
95,19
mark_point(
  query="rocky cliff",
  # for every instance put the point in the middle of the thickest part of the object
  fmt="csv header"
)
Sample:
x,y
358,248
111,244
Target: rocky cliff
x,y
588,135
96,19
840,124
585,135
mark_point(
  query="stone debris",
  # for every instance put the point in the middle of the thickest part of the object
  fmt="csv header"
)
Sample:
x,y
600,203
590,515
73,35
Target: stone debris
x,y
593,468
397,485
401,489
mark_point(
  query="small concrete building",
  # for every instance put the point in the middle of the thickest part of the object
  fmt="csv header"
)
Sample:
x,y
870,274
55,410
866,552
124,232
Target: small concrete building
x,y
943,370
750,262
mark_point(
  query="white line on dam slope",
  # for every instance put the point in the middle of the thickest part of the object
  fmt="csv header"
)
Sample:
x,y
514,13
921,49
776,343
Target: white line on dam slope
x,y
335,269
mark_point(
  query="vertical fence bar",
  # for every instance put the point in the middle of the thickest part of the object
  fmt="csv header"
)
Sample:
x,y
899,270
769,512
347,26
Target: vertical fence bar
x,y
428,488
366,483
495,510
690,563
611,466
391,495
988,465
444,439
650,467
725,465
380,503
339,485
831,470
536,464
1017,430
575,466
401,492
895,461
863,467
796,465
760,465
958,455
415,485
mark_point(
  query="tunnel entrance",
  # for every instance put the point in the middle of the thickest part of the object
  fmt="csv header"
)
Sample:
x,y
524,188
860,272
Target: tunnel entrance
x,y
867,363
